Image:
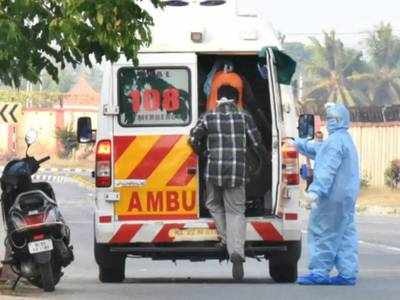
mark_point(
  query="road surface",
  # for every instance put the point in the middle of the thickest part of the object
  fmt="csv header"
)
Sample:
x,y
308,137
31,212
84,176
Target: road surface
x,y
146,279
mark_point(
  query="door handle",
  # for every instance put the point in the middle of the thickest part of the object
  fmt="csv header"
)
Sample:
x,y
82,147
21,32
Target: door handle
x,y
192,171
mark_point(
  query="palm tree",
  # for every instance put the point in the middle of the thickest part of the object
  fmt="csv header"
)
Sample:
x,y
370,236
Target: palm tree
x,y
384,52
333,71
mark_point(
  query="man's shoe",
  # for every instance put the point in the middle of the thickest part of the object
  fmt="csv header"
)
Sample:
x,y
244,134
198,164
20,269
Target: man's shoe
x,y
237,268
313,279
339,280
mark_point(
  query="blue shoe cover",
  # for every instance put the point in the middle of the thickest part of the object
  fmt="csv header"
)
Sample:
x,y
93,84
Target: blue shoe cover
x,y
339,280
313,279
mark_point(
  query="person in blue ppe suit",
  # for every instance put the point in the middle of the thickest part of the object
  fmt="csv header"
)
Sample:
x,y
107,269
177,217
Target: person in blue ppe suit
x,y
332,233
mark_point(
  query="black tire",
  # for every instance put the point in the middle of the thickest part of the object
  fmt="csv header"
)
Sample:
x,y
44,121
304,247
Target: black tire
x,y
47,278
283,265
283,272
111,275
37,281
111,265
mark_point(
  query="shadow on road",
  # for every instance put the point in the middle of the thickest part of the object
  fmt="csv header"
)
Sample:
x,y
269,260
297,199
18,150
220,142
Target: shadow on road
x,y
199,280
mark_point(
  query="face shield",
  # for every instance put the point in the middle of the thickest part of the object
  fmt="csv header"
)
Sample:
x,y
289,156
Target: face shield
x,y
332,117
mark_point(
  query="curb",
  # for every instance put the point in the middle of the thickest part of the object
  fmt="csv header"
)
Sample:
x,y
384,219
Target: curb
x,y
60,170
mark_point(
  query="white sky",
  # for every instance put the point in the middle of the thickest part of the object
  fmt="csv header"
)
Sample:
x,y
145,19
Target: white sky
x,y
345,16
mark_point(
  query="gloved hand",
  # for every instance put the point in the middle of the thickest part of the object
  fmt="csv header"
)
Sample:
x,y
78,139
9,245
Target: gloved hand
x,y
309,201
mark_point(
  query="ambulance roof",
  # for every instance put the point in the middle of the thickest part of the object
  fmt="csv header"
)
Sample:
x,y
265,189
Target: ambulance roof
x,y
235,26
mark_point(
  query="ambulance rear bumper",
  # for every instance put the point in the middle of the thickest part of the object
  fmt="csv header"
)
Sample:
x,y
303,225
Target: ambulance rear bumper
x,y
262,229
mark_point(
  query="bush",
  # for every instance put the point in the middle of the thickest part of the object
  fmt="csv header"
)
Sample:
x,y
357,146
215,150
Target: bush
x,y
68,139
365,180
392,174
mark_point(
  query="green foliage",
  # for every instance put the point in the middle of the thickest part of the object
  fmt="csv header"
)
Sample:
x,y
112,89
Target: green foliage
x,y
42,35
392,174
68,139
333,69
332,72
383,81
365,180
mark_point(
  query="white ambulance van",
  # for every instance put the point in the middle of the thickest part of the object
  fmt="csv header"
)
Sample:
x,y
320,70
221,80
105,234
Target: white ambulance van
x,y
150,190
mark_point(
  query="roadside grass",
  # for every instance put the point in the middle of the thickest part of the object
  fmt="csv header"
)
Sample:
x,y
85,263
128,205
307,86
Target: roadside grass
x,y
383,197
385,201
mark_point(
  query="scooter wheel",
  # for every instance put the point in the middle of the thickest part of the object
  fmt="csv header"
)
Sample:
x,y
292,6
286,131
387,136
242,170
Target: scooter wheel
x,y
47,278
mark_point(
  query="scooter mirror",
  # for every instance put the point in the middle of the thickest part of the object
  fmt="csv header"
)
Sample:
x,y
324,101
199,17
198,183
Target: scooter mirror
x,y
306,126
31,137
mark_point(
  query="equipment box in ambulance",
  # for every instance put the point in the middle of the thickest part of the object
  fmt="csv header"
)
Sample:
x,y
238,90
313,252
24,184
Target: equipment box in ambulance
x,y
150,189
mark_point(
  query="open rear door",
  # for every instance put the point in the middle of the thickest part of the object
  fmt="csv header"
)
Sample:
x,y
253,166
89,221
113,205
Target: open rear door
x,y
280,71
155,170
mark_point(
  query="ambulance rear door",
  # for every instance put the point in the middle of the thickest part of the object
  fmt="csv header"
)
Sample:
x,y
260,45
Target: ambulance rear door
x,y
155,170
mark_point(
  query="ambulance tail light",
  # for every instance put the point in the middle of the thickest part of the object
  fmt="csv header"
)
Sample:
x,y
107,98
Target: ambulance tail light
x,y
103,163
290,167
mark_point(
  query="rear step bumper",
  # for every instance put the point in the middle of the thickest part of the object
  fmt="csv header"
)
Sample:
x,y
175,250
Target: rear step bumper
x,y
196,252
155,232
250,251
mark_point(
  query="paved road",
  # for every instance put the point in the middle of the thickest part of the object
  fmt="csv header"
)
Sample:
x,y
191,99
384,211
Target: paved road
x,y
379,259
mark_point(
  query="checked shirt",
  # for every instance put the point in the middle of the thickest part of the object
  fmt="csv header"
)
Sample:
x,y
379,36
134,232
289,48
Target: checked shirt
x,y
227,131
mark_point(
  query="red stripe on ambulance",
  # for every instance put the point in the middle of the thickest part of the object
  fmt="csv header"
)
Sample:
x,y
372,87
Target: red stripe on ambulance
x,y
121,143
154,157
163,233
183,176
267,231
125,233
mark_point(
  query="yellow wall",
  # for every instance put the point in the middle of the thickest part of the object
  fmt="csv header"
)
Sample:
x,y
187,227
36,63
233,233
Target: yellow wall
x,y
377,146
44,123
3,138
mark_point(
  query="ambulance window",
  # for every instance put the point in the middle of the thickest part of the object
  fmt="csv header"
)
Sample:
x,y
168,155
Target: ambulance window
x,y
154,97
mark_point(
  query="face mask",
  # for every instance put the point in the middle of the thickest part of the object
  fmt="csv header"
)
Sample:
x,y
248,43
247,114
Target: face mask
x,y
332,123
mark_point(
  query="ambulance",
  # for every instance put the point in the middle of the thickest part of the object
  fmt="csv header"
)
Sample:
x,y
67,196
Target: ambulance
x,y
150,187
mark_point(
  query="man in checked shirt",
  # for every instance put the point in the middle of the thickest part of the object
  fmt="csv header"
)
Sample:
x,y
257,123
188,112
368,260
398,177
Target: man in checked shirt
x,y
227,130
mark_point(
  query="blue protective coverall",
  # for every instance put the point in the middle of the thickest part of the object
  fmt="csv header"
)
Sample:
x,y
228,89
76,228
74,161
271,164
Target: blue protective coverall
x,y
332,233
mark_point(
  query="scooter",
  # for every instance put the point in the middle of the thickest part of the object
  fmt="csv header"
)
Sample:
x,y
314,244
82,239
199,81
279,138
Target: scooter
x,y
38,238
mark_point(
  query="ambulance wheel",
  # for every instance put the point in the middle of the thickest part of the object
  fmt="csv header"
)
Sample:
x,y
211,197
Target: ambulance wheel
x,y
283,265
111,275
282,272
111,265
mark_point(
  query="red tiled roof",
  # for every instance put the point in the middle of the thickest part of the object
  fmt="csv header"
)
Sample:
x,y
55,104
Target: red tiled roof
x,y
82,94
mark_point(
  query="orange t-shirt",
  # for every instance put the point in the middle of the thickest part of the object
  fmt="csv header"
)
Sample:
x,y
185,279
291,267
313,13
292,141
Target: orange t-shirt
x,y
222,78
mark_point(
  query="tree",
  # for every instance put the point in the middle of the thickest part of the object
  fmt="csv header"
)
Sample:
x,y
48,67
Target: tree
x,y
384,52
300,53
333,72
41,35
